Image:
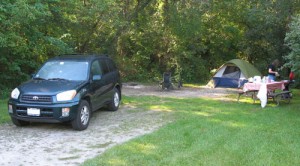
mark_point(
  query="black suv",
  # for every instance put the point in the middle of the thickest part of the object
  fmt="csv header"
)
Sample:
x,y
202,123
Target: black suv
x,y
67,88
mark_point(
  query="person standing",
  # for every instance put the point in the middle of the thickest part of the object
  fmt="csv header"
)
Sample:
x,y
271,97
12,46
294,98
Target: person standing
x,y
272,73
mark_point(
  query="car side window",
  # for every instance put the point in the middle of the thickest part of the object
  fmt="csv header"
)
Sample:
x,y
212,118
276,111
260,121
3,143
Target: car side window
x,y
96,69
104,66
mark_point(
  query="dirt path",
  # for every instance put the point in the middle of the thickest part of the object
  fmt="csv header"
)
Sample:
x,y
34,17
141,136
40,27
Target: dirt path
x,y
58,144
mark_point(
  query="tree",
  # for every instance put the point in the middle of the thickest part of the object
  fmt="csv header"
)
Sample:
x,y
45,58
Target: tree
x,y
292,40
146,37
25,40
265,24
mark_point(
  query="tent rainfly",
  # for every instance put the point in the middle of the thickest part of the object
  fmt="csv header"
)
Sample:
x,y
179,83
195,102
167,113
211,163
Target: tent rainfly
x,y
233,74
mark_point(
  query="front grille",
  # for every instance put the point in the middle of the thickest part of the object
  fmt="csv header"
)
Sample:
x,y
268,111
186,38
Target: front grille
x,y
36,99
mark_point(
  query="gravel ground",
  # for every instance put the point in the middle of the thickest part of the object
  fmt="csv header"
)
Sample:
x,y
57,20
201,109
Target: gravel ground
x,y
57,144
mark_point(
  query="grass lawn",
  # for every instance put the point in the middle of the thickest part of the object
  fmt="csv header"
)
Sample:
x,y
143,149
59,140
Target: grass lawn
x,y
210,132
4,117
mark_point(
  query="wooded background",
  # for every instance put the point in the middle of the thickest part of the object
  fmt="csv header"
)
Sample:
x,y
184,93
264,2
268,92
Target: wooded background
x,y
147,37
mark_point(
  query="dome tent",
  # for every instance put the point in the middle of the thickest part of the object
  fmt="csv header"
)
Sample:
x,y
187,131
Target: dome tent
x,y
233,74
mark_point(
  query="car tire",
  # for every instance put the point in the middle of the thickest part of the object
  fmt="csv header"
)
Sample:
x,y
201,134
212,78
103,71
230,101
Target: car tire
x,y
83,116
18,122
115,101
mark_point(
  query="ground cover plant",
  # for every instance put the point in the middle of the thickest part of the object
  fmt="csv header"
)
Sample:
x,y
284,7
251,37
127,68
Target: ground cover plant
x,y
212,132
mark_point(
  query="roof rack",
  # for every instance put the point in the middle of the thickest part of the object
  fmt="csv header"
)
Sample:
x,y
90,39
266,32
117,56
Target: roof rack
x,y
88,55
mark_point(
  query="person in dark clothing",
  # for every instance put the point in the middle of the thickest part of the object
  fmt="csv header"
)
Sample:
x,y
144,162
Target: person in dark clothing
x,y
272,73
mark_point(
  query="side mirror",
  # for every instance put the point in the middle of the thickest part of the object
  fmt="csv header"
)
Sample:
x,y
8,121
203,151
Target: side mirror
x,y
32,75
96,77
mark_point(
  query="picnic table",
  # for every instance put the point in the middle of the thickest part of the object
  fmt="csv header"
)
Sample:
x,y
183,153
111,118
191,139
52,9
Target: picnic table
x,y
263,91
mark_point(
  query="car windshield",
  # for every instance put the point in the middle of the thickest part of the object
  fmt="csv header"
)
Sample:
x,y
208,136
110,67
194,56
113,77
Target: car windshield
x,y
63,70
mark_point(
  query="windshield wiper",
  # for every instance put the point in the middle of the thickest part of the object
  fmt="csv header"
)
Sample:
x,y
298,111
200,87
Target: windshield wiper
x,y
38,78
60,79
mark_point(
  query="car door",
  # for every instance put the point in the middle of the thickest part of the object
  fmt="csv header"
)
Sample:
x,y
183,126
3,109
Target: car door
x,y
97,85
108,79
113,75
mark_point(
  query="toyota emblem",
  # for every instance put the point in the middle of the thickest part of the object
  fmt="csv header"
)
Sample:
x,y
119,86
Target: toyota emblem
x,y
35,98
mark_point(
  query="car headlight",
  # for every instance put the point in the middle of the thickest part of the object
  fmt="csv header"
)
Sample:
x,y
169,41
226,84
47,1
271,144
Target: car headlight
x,y
15,93
66,96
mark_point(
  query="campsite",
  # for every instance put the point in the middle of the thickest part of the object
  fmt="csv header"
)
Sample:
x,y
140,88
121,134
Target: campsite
x,y
157,117
149,82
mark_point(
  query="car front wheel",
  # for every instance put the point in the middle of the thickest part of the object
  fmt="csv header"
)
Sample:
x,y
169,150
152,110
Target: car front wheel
x,y
83,116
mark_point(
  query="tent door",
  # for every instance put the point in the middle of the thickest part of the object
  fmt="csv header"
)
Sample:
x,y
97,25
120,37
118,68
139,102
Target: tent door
x,y
232,72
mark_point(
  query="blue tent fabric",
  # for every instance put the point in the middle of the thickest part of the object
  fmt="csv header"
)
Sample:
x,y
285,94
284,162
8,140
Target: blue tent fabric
x,y
228,82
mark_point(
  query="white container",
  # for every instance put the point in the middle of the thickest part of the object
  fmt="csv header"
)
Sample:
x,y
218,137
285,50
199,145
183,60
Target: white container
x,y
257,79
250,79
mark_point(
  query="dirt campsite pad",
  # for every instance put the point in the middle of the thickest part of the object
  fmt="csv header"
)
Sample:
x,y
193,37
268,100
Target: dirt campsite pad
x,y
58,144
134,89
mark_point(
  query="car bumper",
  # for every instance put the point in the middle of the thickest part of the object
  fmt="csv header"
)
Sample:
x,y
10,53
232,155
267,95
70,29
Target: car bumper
x,y
47,113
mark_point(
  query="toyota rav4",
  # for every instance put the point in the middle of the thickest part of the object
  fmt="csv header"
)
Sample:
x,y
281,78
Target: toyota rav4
x,y
67,88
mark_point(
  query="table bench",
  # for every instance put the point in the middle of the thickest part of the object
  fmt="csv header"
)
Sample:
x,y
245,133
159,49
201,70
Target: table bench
x,y
280,96
251,93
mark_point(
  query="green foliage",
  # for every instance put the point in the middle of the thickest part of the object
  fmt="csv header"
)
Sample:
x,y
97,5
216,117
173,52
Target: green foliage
x,y
292,40
265,28
146,37
25,39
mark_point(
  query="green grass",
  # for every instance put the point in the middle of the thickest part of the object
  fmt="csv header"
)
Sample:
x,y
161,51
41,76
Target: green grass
x,y
4,117
210,132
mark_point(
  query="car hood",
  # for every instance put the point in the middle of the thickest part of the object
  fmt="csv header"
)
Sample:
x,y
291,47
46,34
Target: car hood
x,y
49,87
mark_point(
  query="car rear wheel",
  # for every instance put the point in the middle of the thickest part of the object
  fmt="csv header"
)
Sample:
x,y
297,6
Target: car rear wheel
x,y
115,101
18,122
81,122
